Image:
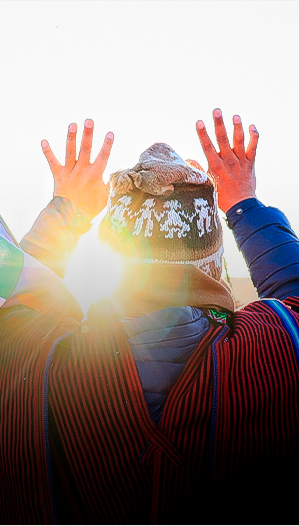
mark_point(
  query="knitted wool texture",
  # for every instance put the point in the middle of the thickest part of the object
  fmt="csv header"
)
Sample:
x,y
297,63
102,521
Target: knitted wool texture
x,y
164,210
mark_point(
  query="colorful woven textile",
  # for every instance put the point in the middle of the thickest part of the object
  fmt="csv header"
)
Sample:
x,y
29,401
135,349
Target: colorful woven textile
x,y
225,452
11,262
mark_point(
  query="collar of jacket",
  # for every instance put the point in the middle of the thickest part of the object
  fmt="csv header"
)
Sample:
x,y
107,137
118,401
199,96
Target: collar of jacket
x,y
147,287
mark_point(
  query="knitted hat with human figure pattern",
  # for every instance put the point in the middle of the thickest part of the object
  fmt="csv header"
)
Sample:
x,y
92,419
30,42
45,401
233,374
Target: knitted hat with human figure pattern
x,y
164,210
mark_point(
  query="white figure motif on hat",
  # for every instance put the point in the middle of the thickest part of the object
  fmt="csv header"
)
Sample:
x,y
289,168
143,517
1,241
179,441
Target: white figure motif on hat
x,y
174,222
119,210
204,212
144,214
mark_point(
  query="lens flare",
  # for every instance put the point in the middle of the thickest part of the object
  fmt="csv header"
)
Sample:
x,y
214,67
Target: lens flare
x,y
93,273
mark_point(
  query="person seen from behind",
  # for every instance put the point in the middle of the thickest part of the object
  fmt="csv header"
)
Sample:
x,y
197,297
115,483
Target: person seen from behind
x,y
166,405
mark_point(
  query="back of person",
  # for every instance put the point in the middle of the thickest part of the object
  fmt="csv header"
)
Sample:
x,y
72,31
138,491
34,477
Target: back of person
x,y
224,451
164,406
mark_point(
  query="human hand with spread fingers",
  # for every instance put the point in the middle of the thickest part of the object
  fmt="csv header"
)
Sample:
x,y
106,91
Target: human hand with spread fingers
x,y
79,180
231,168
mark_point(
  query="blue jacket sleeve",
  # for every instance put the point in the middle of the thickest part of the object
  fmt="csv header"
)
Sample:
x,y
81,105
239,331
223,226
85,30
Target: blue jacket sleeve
x,y
270,248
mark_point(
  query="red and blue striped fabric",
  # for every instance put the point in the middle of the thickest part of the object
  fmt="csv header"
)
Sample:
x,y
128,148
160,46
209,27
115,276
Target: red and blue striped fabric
x,y
226,449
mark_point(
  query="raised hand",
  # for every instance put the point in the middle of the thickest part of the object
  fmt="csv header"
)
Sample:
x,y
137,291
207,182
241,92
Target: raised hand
x,y
231,168
79,180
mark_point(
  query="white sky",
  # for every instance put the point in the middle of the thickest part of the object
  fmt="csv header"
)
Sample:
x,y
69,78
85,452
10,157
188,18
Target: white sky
x,y
147,71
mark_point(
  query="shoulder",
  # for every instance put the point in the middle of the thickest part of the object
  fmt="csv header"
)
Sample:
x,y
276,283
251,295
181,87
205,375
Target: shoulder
x,y
265,310
27,324
262,324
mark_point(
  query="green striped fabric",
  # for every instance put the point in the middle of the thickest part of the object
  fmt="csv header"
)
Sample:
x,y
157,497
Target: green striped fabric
x,y
11,265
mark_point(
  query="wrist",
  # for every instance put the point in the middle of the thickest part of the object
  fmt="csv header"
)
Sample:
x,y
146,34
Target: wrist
x,y
235,214
245,203
71,213
71,204
230,203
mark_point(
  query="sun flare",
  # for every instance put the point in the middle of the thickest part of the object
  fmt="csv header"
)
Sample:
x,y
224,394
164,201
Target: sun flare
x,y
93,272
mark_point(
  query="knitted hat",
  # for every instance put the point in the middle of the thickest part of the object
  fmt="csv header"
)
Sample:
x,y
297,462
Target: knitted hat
x,y
164,210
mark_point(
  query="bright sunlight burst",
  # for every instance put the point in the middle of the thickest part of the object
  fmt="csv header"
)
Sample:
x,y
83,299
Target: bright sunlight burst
x,y
94,271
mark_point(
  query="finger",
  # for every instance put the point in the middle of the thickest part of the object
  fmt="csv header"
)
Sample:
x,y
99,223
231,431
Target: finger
x,y
102,158
70,152
53,163
220,131
238,141
254,137
206,143
86,143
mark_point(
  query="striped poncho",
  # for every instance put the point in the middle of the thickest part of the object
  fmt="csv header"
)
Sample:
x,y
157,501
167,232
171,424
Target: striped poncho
x,y
78,444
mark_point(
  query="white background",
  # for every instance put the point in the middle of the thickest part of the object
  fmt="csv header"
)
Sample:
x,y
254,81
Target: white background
x,y
147,71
